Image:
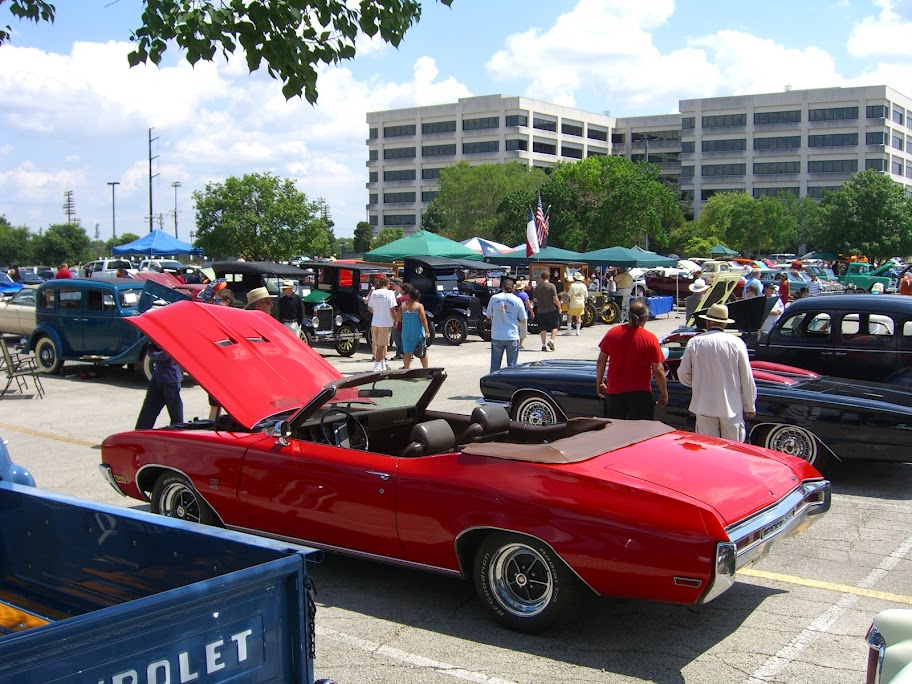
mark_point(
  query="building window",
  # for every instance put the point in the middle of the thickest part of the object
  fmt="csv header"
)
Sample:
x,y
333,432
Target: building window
x,y
618,138
687,195
438,127
372,198
789,116
572,129
404,175
517,120
724,120
399,220
544,124
898,117
398,131
596,152
372,220
438,150
687,171
514,145
479,147
688,123
787,142
709,170
656,135
687,147
876,111
429,195
372,135
877,138
897,142
876,164
544,148
596,134
908,171
773,192
480,124
372,177
398,197
707,194
732,145
833,166
657,157
372,155
572,152
399,153
833,114
772,168
818,193
430,174
896,168
834,140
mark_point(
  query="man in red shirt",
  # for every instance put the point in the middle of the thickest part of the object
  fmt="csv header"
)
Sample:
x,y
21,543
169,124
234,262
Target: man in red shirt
x,y
636,358
905,284
63,271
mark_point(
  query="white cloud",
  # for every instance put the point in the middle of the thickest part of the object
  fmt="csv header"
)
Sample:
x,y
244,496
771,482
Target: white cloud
x,y
886,35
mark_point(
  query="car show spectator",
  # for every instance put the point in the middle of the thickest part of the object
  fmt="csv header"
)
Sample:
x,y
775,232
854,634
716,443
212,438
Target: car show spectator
x,y
751,290
505,311
258,299
163,390
784,288
636,359
697,288
577,295
905,284
382,304
753,279
63,271
13,273
716,367
769,290
813,287
415,330
401,298
519,290
547,310
624,284
291,309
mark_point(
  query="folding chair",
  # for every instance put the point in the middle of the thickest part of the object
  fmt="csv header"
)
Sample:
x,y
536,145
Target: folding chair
x,y
19,367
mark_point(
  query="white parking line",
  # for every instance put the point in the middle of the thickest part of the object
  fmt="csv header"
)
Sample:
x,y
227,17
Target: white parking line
x,y
825,620
410,658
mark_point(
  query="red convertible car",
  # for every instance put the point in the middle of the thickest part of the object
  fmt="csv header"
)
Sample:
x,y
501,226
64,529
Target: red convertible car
x,y
537,516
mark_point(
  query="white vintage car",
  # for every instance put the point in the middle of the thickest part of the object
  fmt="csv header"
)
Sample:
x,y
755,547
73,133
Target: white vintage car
x,y
17,314
890,643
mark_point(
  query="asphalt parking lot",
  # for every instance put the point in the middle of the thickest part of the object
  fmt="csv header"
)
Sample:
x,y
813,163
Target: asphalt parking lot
x,y
799,615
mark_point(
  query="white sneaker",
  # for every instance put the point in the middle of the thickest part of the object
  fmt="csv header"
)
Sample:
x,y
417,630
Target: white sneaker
x,y
576,332
566,334
378,366
384,366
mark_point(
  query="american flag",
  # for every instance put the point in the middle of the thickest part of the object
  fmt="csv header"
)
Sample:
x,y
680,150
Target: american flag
x,y
541,222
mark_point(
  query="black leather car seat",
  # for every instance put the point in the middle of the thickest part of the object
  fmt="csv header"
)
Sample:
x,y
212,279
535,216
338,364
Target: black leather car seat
x,y
489,421
430,437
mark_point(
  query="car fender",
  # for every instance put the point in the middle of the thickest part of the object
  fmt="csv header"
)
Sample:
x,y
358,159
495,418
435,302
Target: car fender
x,y
465,313
44,330
358,322
762,428
531,391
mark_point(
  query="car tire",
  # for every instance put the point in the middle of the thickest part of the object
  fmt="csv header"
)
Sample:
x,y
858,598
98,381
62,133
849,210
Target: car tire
x,y
173,496
349,345
144,367
589,315
432,333
523,583
484,329
454,329
534,409
610,313
46,357
798,442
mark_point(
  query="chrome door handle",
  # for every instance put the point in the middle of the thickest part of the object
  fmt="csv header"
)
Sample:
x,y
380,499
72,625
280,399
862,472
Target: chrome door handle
x,y
382,476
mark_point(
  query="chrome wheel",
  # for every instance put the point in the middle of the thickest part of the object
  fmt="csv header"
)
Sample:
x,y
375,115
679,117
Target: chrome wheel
x,y
535,410
173,496
521,580
794,441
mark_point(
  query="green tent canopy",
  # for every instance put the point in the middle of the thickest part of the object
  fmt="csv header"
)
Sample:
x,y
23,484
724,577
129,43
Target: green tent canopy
x,y
554,255
722,250
422,243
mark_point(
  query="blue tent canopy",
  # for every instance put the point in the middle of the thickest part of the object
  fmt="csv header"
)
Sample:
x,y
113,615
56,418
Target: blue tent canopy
x,y
156,243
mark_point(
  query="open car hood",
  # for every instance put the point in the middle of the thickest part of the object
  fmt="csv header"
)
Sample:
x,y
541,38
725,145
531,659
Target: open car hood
x,y
248,361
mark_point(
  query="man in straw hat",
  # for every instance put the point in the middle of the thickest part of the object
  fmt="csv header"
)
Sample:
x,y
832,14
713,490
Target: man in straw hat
x,y
697,288
716,366
258,299
577,294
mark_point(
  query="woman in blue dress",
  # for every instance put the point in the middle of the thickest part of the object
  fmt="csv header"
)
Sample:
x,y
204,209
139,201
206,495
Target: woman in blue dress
x,y
414,326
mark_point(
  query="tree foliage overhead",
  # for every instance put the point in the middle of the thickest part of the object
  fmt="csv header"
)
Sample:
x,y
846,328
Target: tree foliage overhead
x,y
386,236
62,242
748,225
362,237
869,215
259,217
15,243
292,37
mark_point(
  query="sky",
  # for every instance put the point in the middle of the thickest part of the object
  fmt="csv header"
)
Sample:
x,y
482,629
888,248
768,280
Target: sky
x,y
74,116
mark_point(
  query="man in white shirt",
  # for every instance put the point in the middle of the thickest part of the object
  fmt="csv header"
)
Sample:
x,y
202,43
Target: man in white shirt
x,y
383,307
769,290
716,366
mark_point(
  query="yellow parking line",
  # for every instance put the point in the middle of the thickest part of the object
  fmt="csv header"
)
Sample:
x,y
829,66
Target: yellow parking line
x,y
829,586
46,435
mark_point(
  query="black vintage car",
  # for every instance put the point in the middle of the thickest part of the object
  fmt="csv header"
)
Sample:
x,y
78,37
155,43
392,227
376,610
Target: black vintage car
x,y
454,313
866,337
799,412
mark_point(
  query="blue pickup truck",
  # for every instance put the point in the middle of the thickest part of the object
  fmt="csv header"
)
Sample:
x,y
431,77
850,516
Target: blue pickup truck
x,y
97,594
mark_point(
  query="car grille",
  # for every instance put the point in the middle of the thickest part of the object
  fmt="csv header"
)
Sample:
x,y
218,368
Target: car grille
x,y
324,319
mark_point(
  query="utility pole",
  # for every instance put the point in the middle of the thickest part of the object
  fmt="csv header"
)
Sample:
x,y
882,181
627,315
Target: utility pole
x,y
151,214
175,185
69,208
113,214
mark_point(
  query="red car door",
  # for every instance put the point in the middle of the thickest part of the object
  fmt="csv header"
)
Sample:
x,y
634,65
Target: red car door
x,y
330,496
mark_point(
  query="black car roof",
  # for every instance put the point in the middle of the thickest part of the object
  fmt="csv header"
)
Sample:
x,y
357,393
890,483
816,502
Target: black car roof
x,y
372,268
259,267
456,263
858,302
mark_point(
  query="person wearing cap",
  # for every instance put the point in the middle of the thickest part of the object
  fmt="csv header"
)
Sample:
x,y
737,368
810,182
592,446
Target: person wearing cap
x,y
697,288
753,279
624,282
505,311
291,309
769,290
577,294
716,367
258,299
519,290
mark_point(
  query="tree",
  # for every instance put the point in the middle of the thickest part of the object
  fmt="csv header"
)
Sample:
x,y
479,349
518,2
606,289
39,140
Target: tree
x,y
808,217
344,246
760,225
363,235
16,245
466,205
122,239
386,236
869,215
433,219
292,37
691,239
259,217
513,216
63,242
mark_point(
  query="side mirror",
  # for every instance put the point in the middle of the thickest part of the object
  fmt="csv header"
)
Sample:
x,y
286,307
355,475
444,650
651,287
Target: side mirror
x,y
282,432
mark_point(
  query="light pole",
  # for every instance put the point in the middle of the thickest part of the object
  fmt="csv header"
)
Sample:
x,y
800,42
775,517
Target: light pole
x,y
113,215
175,185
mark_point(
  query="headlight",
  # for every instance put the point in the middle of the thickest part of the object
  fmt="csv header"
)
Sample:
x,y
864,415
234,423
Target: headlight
x,y
338,320
315,322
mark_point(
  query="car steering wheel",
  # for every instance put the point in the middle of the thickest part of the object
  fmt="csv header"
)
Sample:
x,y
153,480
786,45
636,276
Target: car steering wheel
x,y
343,430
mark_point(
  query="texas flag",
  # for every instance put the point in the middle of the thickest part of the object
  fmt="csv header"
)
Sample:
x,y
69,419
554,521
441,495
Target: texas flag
x,y
532,246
